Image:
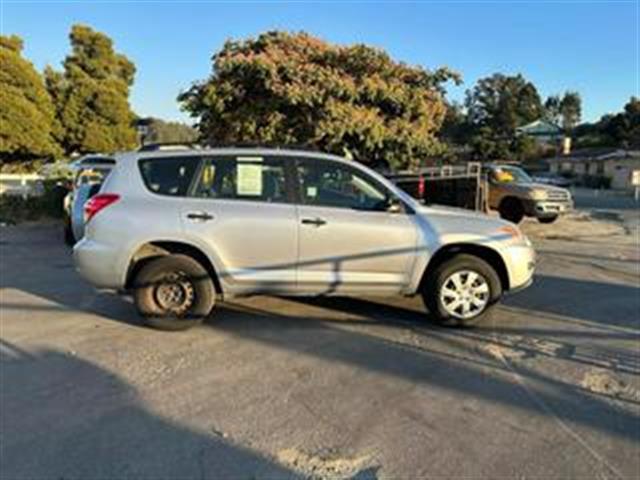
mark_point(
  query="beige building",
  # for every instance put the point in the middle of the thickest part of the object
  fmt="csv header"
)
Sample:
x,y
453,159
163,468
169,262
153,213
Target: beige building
x,y
612,163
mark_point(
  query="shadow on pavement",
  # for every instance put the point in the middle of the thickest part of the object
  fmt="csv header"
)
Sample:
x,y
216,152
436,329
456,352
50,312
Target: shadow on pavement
x,y
603,303
55,281
456,372
63,417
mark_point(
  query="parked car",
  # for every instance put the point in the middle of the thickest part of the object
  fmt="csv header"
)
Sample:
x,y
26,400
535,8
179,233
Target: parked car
x,y
514,194
89,173
181,230
549,178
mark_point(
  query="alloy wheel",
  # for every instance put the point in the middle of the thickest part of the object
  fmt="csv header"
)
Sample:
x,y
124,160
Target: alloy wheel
x,y
465,294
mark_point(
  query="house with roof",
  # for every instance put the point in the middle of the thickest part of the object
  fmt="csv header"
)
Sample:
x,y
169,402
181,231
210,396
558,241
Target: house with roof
x,y
615,164
544,132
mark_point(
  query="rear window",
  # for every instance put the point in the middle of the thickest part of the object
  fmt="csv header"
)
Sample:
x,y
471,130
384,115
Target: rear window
x,y
169,176
91,175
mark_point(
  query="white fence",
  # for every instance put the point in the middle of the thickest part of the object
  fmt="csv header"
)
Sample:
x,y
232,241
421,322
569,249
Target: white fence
x,y
21,184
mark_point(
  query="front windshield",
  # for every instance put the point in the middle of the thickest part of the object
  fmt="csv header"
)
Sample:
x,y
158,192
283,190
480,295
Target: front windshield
x,y
504,174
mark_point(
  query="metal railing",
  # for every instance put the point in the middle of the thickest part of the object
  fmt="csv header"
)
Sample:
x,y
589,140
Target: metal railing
x,y
21,184
471,172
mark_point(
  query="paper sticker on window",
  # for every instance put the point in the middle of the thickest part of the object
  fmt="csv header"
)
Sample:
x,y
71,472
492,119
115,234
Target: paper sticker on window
x,y
249,179
312,192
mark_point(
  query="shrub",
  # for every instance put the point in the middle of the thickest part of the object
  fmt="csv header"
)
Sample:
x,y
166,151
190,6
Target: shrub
x,y
596,181
16,209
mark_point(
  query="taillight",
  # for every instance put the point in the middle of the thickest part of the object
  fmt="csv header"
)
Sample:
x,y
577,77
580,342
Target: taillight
x,y
421,187
97,203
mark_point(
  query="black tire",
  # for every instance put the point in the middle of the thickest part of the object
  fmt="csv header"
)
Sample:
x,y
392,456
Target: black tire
x,y
436,281
182,273
511,209
548,219
69,238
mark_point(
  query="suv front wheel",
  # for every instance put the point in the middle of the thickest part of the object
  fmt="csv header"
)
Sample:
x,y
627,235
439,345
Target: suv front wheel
x,y
548,219
462,291
173,292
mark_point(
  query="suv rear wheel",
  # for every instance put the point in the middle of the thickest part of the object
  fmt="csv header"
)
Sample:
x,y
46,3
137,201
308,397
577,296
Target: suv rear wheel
x,y
511,209
173,292
462,291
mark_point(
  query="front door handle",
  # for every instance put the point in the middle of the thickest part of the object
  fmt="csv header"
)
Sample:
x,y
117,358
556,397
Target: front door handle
x,y
318,222
202,216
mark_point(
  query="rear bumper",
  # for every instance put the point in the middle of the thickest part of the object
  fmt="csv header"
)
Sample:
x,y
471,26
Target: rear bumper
x,y
98,264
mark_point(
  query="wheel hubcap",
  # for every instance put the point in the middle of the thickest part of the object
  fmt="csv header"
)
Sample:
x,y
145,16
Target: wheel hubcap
x,y
174,293
464,294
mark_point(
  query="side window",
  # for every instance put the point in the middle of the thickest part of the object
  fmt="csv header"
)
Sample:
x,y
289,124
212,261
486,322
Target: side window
x,y
169,176
331,184
254,178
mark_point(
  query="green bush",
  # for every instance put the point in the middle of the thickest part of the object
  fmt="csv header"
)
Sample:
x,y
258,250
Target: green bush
x,y
16,209
596,181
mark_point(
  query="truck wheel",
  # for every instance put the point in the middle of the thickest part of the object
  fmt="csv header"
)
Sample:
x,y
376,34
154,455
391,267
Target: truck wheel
x,y
173,292
511,209
548,219
462,291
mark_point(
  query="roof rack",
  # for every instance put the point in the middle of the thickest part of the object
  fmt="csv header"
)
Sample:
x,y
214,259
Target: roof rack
x,y
274,146
151,147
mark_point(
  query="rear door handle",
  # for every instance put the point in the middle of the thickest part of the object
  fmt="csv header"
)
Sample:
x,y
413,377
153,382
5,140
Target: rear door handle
x,y
202,216
318,222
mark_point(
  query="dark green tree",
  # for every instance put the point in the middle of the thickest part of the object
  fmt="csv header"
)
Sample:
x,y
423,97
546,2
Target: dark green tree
x,y
91,96
496,106
160,131
26,111
552,109
455,127
623,129
570,109
284,88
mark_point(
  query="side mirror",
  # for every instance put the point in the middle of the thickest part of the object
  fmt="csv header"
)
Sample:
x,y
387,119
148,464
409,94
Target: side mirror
x,y
395,206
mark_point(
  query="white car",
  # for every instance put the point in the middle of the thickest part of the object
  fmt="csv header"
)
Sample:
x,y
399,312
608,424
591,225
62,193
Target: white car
x,y
181,230
89,173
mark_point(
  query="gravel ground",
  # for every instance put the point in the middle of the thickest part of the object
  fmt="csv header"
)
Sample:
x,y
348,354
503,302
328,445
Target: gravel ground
x,y
325,388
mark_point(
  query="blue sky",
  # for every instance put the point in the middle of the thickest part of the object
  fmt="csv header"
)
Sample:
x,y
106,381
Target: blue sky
x,y
588,46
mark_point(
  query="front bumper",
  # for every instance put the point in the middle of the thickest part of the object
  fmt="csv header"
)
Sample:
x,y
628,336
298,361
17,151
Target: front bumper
x,y
547,208
521,264
521,287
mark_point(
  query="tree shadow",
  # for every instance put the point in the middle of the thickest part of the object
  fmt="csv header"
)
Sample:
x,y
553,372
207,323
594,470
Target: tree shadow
x,y
64,417
582,299
422,365
555,341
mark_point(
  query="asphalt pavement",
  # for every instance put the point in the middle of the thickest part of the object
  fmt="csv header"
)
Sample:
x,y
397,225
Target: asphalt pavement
x,y
324,388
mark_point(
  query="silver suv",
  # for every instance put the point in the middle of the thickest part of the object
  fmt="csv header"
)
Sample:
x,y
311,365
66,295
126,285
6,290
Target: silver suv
x,y
181,230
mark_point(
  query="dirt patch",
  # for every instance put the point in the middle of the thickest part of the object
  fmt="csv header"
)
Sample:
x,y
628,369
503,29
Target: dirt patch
x,y
574,227
605,383
321,467
502,352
